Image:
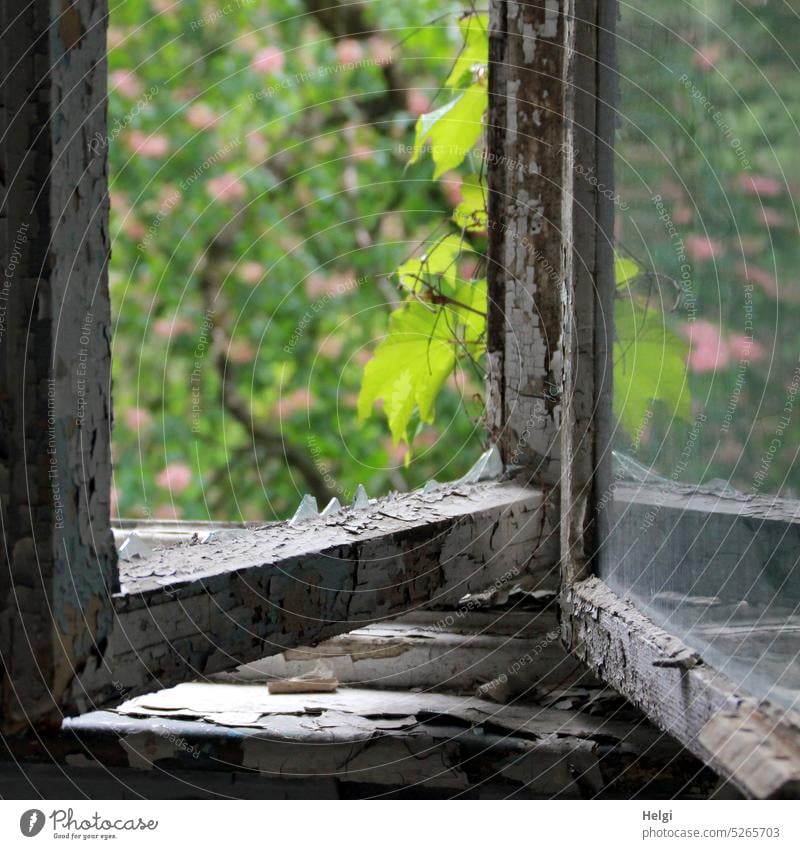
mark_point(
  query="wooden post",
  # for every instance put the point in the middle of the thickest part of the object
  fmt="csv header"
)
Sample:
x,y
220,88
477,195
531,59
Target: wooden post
x,y
588,282
59,562
528,222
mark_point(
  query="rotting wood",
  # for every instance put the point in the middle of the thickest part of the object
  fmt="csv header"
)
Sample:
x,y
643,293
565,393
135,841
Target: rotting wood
x,y
753,744
589,276
196,609
527,132
55,463
400,654
345,755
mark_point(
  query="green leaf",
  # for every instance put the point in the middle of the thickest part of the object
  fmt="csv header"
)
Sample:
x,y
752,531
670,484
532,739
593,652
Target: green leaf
x,y
434,268
471,213
649,365
472,295
625,270
475,53
409,368
452,130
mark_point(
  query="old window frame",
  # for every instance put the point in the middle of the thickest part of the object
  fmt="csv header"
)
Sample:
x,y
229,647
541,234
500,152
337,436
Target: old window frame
x,y
83,632
754,744
80,629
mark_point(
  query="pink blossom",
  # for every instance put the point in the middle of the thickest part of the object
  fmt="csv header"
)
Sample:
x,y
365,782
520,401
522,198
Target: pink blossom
x,y
701,248
362,356
115,37
362,152
744,348
428,438
137,418
269,60
709,351
257,147
176,477
226,187
318,285
451,187
350,399
683,215
773,218
396,454
241,352
349,51
119,200
296,401
168,511
707,57
133,228
330,347
380,50
126,83
760,277
417,102
468,269
166,328
201,116
252,272
761,185
155,146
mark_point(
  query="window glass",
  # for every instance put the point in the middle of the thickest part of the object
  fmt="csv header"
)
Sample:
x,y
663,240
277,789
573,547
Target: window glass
x,y
699,502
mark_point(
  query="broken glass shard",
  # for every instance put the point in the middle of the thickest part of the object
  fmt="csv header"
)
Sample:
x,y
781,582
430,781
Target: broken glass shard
x,y
488,467
362,499
333,506
134,546
307,510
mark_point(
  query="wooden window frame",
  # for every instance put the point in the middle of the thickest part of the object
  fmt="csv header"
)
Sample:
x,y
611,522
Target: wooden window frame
x,y
80,630
752,743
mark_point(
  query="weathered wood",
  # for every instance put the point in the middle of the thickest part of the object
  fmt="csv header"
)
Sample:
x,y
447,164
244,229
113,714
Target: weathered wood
x,y
526,659
374,744
195,609
751,743
55,465
528,126
588,278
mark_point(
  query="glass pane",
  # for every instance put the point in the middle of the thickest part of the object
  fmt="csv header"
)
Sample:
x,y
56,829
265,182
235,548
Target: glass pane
x,y
700,516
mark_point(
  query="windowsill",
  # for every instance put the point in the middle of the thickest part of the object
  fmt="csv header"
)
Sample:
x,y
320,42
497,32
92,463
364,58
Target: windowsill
x,y
568,738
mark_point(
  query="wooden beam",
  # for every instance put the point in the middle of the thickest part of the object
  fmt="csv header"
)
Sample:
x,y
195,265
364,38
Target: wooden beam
x,y
753,744
55,466
191,610
527,137
588,278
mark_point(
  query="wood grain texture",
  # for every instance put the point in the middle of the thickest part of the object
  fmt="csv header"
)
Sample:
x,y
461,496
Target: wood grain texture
x,y
527,131
751,743
191,610
55,463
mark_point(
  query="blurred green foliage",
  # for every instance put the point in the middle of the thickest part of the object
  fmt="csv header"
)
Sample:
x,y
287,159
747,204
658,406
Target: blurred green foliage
x,y
706,175
298,226
261,200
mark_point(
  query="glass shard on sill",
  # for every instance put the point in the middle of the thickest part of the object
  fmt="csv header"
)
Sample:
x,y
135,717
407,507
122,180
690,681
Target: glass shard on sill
x,y
134,546
332,507
361,499
489,466
306,510
627,468
224,535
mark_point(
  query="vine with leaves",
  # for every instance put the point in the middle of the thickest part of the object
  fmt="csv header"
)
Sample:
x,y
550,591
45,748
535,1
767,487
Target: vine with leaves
x,y
441,323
